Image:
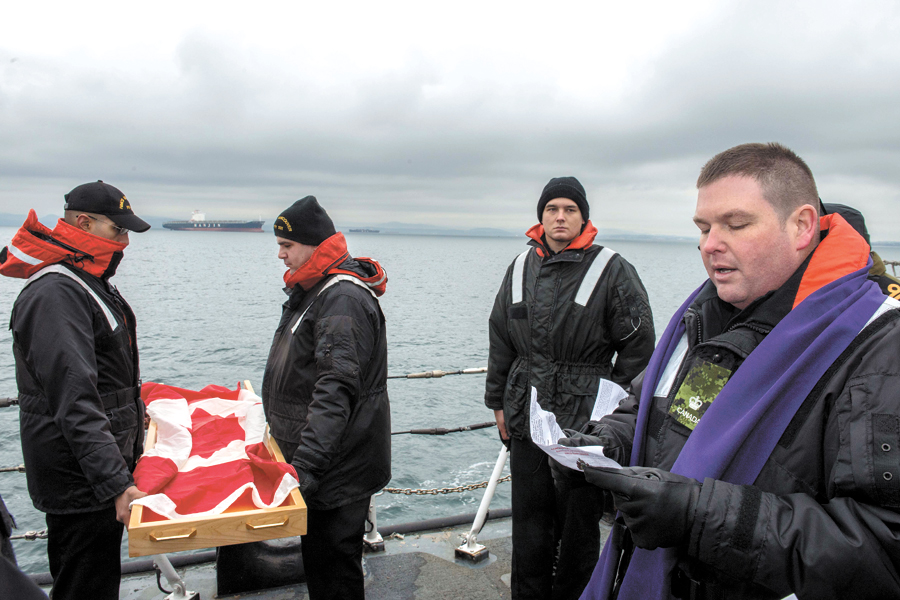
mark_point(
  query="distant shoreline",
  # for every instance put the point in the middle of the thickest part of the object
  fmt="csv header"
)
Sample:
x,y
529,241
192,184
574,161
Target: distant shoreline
x,y
11,220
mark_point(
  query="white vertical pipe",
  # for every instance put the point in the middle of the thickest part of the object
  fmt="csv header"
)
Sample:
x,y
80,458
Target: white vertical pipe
x,y
488,495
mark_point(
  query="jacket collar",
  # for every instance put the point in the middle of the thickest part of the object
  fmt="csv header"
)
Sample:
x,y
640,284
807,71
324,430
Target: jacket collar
x,y
584,240
35,246
840,252
332,258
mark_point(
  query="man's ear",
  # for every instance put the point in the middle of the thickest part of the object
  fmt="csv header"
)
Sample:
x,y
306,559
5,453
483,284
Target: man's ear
x,y
82,221
805,220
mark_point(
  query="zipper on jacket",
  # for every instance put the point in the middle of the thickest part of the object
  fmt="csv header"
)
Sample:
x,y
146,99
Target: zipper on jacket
x,y
753,327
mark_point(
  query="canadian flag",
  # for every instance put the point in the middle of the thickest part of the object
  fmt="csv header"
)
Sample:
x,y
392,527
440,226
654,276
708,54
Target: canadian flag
x,y
209,452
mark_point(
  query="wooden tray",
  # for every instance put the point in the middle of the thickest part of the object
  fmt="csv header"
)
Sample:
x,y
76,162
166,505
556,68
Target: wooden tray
x,y
150,534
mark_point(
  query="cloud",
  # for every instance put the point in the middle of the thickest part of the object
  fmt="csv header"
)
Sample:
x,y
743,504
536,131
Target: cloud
x,y
457,117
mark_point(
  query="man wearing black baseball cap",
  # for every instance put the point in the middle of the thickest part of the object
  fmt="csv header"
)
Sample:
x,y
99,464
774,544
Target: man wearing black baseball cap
x,y
100,198
81,417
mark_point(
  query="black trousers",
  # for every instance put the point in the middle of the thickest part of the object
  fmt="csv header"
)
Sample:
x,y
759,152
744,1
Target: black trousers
x,y
83,550
556,528
332,552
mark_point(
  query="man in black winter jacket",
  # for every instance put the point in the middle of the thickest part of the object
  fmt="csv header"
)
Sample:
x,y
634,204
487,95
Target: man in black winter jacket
x,y
763,436
81,415
325,393
568,314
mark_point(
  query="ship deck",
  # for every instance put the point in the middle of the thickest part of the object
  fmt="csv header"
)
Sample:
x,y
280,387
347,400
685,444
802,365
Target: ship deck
x,y
419,565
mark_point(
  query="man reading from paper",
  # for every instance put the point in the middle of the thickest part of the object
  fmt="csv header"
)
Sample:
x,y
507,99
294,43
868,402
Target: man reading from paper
x,y
764,435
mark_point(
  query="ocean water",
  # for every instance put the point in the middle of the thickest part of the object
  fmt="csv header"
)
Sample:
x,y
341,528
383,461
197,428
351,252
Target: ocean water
x,y
207,306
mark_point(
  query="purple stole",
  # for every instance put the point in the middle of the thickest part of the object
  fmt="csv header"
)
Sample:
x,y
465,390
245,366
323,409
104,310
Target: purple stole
x,y
740,429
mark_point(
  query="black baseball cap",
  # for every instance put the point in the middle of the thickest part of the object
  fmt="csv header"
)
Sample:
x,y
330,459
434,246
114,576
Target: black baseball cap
x,y
103,199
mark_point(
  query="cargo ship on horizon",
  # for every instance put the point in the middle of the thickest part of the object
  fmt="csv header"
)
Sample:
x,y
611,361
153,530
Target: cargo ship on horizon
x,y
198,222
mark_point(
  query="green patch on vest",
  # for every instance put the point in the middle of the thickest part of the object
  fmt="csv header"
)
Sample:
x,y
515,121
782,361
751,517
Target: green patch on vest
x,y
700,387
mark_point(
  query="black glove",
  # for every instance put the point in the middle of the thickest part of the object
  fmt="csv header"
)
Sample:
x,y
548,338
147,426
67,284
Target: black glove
x,y
594,434
565,475
574,440
307,482
658,506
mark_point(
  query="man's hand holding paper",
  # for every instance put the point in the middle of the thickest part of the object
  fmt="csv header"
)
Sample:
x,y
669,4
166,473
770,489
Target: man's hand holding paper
x,y
568,447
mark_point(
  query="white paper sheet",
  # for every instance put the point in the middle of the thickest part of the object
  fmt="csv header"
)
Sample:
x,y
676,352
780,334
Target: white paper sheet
x,y
545,432
608,398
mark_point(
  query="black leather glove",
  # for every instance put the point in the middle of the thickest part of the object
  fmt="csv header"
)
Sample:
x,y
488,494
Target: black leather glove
x,y
574,440
565,475
658,506
594,434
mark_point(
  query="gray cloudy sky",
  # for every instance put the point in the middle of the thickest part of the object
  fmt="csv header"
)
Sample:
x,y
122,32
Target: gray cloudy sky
x,y
443,113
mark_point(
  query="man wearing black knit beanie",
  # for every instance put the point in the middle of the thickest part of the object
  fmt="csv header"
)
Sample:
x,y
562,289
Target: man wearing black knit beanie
x,y
568,314
305,221
564,187
324,393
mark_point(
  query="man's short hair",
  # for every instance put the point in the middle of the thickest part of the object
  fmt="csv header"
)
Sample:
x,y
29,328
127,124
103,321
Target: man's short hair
x,y
786,181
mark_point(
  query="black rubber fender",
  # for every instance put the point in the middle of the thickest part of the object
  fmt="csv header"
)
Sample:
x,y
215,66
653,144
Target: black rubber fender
x,y
259,565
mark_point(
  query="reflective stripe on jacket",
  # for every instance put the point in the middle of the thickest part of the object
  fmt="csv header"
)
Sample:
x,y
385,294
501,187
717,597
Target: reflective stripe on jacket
x,y
81,416
325,391
560,323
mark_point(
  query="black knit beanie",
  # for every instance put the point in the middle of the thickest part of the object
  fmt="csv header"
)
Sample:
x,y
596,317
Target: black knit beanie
x,y
564,187
305,221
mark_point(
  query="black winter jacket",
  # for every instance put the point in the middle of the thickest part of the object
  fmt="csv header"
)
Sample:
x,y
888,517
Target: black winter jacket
x,y
562,343
325,391
822,519
81,415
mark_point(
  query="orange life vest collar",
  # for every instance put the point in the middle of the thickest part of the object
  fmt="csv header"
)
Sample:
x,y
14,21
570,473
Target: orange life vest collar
x,y
583,241
35,246
326,260
840,253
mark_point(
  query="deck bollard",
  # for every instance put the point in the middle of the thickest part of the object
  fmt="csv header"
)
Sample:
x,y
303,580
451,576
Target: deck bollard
x,y
471,549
